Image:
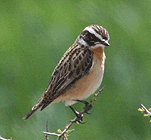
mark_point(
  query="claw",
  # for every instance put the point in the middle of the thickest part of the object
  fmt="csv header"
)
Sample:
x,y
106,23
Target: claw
x,y
79,116
81,122
88,113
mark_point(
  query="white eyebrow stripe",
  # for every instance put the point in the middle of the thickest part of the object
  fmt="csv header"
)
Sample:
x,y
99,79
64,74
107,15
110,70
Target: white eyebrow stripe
x,y
92,31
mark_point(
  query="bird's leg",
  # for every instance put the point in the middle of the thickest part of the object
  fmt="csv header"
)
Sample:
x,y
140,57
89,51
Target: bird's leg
x,y
74,111
79,116
88,106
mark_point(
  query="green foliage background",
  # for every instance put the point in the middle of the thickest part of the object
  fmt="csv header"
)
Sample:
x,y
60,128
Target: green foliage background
x,y
33,37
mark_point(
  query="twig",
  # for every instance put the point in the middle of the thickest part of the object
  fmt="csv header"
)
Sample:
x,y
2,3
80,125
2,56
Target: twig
x,y
47,130
146,110
62,133
1,138
88,106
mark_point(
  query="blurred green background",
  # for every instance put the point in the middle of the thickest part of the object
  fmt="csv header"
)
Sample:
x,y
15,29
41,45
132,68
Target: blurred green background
x,y
33,37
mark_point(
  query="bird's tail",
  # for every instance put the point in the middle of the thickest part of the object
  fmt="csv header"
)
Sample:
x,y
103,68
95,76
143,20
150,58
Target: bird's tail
x,y
34,108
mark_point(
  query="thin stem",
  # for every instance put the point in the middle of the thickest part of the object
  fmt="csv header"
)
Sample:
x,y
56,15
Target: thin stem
x,y
146,110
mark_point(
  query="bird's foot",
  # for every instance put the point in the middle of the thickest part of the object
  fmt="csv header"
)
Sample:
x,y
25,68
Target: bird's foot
x,y
79,116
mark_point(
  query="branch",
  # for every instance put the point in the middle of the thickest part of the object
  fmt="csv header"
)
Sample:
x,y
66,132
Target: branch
x,y
1,138
46,130
145,111
78,119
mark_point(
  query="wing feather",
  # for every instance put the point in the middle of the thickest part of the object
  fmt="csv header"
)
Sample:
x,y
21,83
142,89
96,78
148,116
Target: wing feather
x,y
75,64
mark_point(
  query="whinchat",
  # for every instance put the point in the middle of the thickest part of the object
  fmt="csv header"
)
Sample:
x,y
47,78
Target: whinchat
x,y
80,71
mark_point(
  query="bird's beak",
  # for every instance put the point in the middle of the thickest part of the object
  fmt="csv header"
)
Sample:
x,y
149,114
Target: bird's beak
x,y
106,43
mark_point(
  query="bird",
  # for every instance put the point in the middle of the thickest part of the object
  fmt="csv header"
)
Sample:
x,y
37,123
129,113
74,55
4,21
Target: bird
x,y
79,72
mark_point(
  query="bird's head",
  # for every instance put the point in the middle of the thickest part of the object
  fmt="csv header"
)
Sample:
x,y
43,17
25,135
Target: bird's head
x,y
93,36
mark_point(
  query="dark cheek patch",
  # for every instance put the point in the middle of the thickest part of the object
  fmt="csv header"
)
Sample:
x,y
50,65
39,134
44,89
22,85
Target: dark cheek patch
x,y
91,39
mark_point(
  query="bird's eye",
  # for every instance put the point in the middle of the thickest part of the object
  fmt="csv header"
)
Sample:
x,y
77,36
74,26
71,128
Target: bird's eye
x,y
90,38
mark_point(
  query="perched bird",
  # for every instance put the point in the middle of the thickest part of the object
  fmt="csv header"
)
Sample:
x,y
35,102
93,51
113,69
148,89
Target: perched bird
x,y
80,71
